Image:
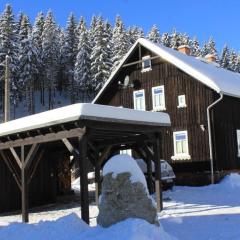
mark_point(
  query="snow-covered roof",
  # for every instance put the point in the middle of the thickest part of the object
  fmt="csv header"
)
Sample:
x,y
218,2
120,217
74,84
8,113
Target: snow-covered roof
x,y
82,111
219,79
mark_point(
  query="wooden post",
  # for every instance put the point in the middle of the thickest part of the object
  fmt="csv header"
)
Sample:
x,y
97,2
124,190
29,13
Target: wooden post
x,y
6,92
97,181
24,188
149,173
157,161
82,159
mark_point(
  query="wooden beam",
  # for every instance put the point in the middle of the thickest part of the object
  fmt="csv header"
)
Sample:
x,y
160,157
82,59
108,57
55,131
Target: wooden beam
x,y
73,150
70,147
157,163
16,157
39,157
97,182
91,145
137,62
49,137
104,155
11,168
123,140
31,154
119,126
82,158
24,188
149,158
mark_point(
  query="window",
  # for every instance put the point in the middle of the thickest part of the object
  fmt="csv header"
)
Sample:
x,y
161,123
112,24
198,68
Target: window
x,y
181,151
126,151
139,100
238,142
158,98
181,101
146,64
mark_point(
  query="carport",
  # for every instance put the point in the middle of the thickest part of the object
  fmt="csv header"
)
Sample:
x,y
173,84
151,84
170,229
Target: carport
x,y
90,132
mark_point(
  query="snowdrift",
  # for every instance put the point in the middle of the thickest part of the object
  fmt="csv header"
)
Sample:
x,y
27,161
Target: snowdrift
x,y
72,227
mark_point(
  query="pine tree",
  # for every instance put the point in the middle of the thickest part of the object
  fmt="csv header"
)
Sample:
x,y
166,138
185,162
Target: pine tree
x,y
82,74
19,20
166,40
25,28
133,34
232,61
120,42
238,64
195,48
184,40
204,50
9,46
24,33
154,35
28,70
36,36
211,46
69,53
100,66
108,33
175,39
224,61
80,26
92,30
50,56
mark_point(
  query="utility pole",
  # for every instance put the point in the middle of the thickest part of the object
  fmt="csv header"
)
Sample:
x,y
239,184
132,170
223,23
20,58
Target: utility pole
x,y
7,91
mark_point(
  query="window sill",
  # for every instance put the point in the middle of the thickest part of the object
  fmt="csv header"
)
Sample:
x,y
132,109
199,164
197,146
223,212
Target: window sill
x,y
146,70
181,157
181,106
159,109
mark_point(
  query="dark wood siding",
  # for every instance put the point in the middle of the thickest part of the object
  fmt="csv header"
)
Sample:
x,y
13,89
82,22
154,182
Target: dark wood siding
x,y
226,122
42,189
176,82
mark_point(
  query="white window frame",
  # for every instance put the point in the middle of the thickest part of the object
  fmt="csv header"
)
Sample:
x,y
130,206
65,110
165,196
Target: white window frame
x,y
180,156
148,57
135,102
126,151
163,106
180,103
238,141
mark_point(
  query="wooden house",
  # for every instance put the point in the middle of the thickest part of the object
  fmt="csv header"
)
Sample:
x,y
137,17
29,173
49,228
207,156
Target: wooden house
x,y
202,99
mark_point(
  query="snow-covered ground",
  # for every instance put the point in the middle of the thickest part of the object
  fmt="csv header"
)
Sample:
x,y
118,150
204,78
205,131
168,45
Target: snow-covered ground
x,y
210,212
202,213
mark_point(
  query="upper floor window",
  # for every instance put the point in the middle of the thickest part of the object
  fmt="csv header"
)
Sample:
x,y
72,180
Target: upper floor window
x,y
238,142
146,63
126,151
181,101
158,98
139,100
180,141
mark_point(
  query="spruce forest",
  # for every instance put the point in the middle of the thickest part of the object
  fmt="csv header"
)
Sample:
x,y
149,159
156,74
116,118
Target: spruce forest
x,y
52,66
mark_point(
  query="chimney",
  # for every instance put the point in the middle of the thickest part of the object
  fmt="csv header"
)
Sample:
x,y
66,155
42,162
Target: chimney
x,y
210,58
184,49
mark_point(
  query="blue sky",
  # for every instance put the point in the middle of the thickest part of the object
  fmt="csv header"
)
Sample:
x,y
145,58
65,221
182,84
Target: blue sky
x,y
202,18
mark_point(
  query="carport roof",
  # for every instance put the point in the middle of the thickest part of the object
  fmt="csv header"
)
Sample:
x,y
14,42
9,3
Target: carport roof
x,y
83,111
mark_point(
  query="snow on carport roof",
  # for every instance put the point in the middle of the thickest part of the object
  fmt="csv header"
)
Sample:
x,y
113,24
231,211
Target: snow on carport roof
x,y
218,79
83,111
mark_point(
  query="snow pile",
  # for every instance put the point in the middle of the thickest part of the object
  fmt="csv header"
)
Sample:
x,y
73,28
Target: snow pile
x,y
125,163
68,227
72,227
231,181
76,185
